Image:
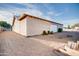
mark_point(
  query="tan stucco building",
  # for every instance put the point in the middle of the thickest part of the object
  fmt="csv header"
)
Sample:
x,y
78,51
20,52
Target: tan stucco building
x,y
28,25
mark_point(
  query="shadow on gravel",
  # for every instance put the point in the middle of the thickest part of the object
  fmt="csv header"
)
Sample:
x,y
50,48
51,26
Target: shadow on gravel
x,y
60,37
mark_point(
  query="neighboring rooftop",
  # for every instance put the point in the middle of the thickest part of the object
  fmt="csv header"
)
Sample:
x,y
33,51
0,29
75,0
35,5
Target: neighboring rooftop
x,y
25,15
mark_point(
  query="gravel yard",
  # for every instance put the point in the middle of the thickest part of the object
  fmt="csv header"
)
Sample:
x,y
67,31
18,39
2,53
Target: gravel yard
x,y
13,44
63,37
58,39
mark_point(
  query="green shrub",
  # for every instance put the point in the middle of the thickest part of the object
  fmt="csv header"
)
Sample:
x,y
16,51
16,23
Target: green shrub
x,y
59,30
44,33
5,24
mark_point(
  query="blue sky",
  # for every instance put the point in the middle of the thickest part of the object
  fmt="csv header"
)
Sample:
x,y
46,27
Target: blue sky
x,y
62,13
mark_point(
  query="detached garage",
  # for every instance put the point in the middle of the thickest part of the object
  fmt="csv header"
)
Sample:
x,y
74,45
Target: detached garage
x,y
28,25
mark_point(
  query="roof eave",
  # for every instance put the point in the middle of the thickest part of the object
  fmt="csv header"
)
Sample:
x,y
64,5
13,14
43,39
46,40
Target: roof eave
x,y
25,15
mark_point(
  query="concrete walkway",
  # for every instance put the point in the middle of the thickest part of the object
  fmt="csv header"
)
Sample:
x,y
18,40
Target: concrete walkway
x,y
12,44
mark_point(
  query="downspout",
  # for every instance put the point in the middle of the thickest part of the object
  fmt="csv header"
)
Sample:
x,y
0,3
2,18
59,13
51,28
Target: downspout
x,y
13,22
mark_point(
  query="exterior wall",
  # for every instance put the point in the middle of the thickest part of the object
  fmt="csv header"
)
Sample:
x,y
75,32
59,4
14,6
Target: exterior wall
x,y
32,26
59,26
54,28
20,27
36,26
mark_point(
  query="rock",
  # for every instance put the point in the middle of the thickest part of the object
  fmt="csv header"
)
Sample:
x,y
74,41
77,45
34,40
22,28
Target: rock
x,y
72,45
78,45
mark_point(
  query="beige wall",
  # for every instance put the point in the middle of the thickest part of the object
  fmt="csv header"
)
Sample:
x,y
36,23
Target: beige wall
x,y
20,27
36,27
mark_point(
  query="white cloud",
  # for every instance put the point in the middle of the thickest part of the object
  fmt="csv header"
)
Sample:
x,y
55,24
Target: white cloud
x,y
70,22
51,13
54,13
29,5
34,12
31,9
63,12
17,11
6,16
37,13
59,14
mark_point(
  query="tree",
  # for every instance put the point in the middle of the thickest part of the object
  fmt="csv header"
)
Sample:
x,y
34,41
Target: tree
x,y
5,24
69,27
75,25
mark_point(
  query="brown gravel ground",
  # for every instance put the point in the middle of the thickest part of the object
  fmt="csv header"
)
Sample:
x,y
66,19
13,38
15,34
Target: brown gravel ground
x,y
13,44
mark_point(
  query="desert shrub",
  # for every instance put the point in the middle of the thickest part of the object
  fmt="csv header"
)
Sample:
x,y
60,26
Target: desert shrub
x,y
44,33
51,32
59,30
48,32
